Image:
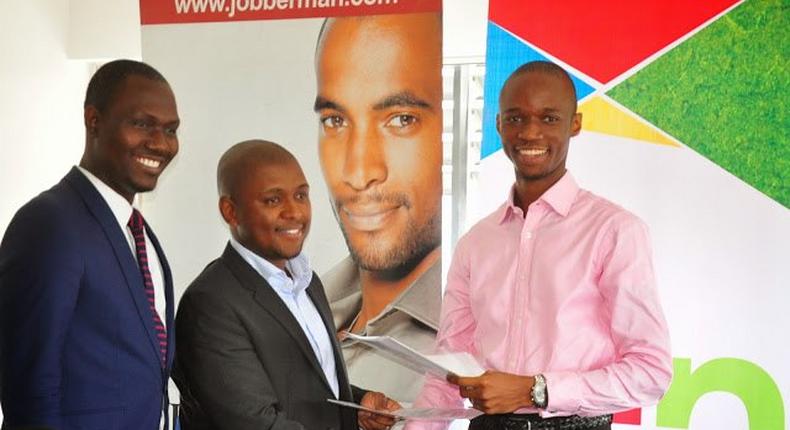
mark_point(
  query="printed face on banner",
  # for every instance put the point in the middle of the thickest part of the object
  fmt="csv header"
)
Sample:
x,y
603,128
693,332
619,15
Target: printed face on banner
x,y
379,106
537,117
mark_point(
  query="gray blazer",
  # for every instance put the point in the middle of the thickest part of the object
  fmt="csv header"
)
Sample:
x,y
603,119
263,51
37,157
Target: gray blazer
x,y
243,362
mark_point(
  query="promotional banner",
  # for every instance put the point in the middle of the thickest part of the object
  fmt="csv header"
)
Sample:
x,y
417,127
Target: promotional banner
x,y
685,124
353,89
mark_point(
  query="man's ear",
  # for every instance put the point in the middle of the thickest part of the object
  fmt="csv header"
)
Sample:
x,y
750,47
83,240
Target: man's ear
x,y
576,123
498,125
228,210
91,118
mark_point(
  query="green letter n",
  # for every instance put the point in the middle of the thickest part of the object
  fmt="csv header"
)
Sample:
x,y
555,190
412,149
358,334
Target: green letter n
x,y
744,379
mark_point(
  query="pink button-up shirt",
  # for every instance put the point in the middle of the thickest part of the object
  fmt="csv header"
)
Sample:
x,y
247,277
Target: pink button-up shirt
x,y
567,291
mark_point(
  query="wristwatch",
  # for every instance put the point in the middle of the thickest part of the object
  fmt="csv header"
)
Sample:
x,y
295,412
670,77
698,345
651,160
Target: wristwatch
x,y
539,393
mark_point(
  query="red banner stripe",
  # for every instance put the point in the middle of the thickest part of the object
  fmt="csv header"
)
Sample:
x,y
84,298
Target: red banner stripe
x,y
191,11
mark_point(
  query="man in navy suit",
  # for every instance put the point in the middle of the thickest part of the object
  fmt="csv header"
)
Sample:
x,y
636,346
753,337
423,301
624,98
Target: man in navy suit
x,y
83,280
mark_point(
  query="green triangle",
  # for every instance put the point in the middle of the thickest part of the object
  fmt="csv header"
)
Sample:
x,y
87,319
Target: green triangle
x,y
723,93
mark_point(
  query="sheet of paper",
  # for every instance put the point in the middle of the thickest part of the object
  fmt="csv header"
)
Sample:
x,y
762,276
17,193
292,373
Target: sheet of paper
x,y
462,364
414,414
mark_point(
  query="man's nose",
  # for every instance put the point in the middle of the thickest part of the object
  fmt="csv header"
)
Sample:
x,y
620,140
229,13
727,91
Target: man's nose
x,y
295,210
530,129
159,140
365,164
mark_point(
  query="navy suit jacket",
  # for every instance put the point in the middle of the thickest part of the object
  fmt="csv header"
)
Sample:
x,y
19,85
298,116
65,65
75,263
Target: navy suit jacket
x,y
78,349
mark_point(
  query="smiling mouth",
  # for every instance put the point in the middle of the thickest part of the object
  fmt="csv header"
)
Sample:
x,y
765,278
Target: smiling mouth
x,y
532,152
368,218
292,233
148,162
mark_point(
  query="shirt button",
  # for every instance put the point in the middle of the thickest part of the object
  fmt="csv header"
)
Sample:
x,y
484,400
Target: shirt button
x,y
528,235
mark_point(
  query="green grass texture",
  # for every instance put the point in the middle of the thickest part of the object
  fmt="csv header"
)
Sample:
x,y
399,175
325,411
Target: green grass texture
x,y
724,92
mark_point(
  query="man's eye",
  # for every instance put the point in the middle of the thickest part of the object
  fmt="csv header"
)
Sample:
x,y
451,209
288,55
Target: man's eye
x,y
302,196
171,131
549,119
270,201
401,120
513,119
140,123
333,121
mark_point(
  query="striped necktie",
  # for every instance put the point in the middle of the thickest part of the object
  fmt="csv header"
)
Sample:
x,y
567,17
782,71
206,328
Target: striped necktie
x,y
137,226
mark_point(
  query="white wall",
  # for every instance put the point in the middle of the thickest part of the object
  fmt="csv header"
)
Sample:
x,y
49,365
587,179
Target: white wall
x,y
465,23
40,106
42,85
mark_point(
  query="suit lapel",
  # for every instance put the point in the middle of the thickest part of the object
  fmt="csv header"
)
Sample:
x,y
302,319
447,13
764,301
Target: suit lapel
x,y
169,305
265,296
126,261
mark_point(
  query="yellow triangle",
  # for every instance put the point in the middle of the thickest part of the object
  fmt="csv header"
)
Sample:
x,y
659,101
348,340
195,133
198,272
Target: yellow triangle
x,y
601,116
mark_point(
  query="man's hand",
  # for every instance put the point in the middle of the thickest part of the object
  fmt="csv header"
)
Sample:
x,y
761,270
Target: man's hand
x,y
380,402
496,392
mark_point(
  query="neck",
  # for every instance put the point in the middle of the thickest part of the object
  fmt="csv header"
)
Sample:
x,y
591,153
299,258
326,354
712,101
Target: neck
x,y
86,164
528,190
379,291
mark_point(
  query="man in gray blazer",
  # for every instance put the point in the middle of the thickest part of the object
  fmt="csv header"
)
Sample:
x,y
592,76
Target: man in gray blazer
x,y
256,347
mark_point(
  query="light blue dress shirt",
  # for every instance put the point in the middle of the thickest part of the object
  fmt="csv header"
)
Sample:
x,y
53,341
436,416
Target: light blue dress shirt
x,y
293,293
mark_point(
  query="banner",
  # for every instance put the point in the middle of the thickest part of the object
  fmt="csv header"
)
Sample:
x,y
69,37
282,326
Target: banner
x,y
186,11
684,124
357,100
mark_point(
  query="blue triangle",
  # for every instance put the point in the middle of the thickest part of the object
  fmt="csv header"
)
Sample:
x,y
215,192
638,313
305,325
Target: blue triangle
x,y
505,54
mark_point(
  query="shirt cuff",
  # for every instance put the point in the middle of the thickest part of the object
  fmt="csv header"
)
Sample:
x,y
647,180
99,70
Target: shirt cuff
x,y
564,392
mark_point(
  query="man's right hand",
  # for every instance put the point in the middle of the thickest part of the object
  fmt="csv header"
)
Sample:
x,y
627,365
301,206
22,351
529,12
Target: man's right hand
x,y
380,402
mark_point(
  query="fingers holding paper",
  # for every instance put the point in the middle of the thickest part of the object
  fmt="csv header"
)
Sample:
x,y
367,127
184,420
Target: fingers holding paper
x,y
379,402
495,392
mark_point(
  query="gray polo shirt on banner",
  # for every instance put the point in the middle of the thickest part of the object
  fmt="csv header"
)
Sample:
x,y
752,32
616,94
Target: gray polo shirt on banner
x,y
412,318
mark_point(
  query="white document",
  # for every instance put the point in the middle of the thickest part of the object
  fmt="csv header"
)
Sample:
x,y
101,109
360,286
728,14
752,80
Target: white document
x,y
460,363
421,414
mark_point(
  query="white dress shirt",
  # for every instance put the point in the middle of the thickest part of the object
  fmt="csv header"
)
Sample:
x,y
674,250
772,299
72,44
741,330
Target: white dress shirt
x,y
122,211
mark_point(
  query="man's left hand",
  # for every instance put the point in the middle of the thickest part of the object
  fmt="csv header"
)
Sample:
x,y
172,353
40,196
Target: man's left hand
x,y
380,402
496,392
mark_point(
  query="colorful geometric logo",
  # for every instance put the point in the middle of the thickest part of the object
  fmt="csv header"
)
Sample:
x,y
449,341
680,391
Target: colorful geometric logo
x,y
670,72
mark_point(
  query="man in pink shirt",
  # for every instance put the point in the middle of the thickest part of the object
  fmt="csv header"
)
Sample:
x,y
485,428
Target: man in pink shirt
x,y
553,292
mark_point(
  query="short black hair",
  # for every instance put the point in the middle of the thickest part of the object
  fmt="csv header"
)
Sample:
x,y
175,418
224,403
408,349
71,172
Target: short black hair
x,y
238,162
546,67
106,81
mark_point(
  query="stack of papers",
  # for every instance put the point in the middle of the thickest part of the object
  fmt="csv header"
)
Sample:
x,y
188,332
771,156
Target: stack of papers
x,y
421,414
440,365
460,363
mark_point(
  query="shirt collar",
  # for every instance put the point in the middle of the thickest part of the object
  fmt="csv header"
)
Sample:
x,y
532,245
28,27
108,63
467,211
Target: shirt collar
x,y
421,300
559,197
119,206
299,267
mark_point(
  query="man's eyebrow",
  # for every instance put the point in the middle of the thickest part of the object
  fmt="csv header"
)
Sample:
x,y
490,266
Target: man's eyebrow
x,y
544,110
402,99
153,117
322,103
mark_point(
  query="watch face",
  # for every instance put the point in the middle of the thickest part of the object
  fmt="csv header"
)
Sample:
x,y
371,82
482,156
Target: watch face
x,y
539,392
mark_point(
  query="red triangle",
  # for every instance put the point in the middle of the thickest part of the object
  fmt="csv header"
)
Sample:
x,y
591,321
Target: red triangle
x,y
603,38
